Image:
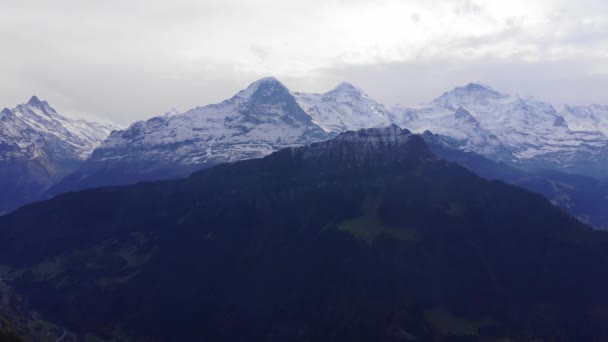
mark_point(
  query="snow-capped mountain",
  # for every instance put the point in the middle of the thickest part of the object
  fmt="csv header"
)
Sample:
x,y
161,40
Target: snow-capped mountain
x,y
267,116
460,125
586,118
257,121
513,129
38,147
344,108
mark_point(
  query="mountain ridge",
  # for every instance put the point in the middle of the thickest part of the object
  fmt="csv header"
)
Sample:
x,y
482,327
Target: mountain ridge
x,y
312,243
38,147
520,131
263,118
266,116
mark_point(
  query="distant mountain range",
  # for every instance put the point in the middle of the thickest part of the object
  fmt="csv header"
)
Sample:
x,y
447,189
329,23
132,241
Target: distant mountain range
x,y
257,121
265,117
38,147
368,236
522,133
533,137
519,131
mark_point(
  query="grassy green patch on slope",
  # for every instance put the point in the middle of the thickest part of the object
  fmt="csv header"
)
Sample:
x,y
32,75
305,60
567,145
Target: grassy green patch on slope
x,y
449,324
370,229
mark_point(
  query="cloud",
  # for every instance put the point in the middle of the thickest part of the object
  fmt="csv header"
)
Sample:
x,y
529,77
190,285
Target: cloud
x,y
131,60
467,7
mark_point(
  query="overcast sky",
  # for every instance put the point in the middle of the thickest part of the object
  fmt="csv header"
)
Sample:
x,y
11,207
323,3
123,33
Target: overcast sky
x,y
125,60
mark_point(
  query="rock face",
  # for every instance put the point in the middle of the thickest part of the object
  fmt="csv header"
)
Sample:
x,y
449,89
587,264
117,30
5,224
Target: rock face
x,y
257,121
38,147
520,131
365,237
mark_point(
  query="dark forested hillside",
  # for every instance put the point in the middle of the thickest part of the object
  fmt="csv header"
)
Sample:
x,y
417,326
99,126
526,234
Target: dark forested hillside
x,y
584,197
368,236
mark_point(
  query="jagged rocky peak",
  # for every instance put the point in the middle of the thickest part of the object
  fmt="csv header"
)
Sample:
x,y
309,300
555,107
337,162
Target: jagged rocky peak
x,y
471,92
346,87
6,111
268,98
258,88
464,115
477,87
268,87
35,102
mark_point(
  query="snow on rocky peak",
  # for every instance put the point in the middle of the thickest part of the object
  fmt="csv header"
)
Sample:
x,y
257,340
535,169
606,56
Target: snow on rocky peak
x,y
586,118
38,147
35,102
525,126
263,88
263,118
473,94
258,120
43,106
34,128
449,119
267,116
346,107
5,112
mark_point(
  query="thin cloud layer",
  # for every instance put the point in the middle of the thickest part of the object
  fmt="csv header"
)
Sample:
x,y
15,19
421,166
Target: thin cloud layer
x,y
130,60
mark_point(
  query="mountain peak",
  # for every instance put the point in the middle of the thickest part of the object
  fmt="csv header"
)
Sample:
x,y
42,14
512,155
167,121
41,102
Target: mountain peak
x,y
265,87
6,111
347,88
35,102
477,87
44,106
477,90
267,81
470,93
